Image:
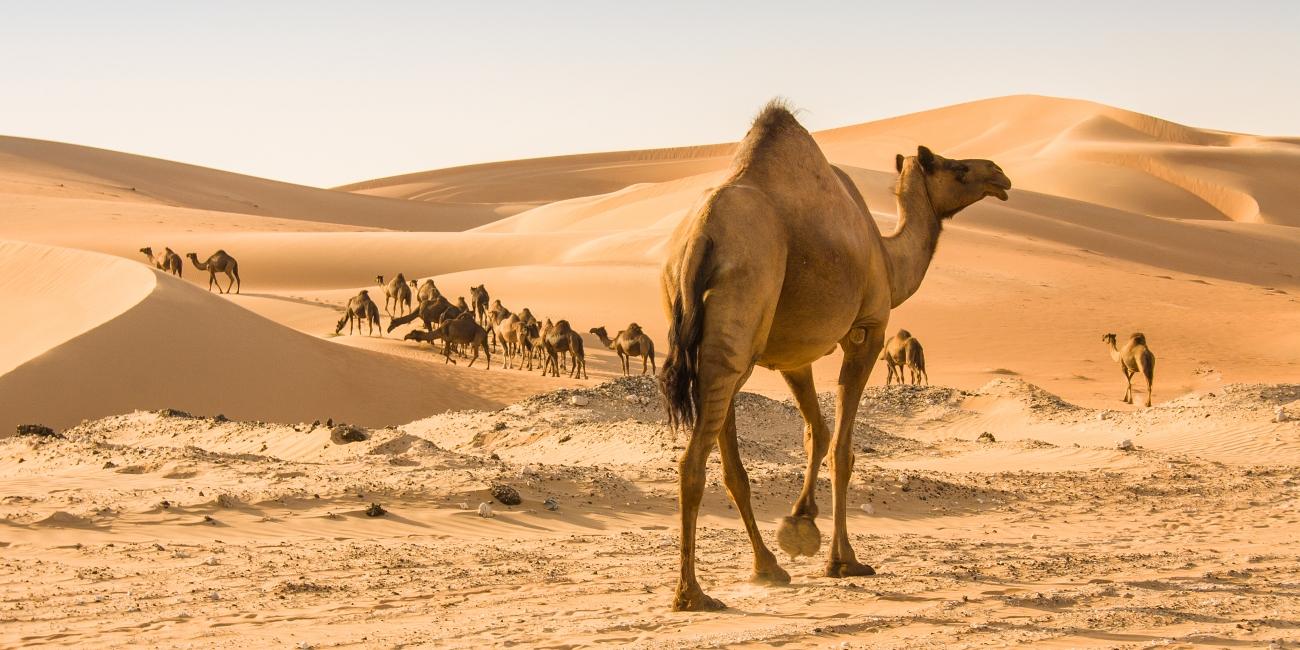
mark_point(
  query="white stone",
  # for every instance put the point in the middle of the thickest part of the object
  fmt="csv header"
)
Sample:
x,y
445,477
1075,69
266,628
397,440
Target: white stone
x,y
485,510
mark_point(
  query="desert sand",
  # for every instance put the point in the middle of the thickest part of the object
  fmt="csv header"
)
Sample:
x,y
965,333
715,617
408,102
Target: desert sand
x,y
191,500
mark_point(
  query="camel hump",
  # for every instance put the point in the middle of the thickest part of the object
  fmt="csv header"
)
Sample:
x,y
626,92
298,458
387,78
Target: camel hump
x,y
220,251
1137,338
634,330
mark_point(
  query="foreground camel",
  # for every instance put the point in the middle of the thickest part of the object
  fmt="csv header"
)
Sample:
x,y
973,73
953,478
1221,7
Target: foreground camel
x,y
1133,358
631,342
560,339
364,310
479,295
396,292
168,262
775,267
903,350
219,262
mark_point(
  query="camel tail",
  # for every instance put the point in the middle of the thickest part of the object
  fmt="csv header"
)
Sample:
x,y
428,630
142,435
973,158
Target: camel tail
x,y
679,379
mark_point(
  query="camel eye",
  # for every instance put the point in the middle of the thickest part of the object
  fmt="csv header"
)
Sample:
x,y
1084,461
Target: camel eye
x,y
960,172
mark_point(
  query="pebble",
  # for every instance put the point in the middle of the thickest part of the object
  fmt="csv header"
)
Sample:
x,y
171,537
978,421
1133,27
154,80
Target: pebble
x,y
868,508
1125,445
485,510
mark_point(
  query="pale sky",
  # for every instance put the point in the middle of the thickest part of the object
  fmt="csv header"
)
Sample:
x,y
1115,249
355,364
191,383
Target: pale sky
x,y
325,93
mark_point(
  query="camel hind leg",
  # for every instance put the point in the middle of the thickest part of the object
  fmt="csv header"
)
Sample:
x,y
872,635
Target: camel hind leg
x,y
766,568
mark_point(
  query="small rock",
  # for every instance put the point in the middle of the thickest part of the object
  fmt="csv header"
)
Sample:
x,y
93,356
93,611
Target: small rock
x,y
986,437
345,433
485,510
463,505
494,456
207,519
1281,415
109,465
375,510
220,418
1125,445
211,560
1103,415
38,430
579,400
868,508
227,501
551,504
214,596
506,495
174,413
633,399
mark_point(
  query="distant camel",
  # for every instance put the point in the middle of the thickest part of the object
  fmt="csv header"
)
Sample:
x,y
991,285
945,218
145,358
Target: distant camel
x,y
491,317
395,292
904,350
459,331
1133,358
428,291
529,340
169,261
429,311
509,331
559,340
631,342
464,306
364,310
479,295
914,358
219,262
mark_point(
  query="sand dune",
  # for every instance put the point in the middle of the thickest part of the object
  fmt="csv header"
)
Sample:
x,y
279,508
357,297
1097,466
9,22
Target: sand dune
x,y
54,169
142,340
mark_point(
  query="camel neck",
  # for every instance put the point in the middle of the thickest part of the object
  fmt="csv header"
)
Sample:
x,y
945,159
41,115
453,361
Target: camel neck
x,y
910,248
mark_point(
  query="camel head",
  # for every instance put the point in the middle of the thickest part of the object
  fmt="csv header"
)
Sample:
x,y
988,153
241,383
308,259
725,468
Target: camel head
x,y
1108,339
599,331
192,256
414,335
148,251
365,293
415,284
379,279
954,184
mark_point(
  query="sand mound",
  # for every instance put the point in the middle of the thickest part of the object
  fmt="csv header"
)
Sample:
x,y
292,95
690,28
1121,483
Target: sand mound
x,y
142,340
56,169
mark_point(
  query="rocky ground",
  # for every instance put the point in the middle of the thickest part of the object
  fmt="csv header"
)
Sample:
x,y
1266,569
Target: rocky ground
x,y
1062,527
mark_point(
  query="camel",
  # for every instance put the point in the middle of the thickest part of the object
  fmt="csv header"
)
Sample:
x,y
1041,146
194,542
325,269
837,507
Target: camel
x,y
510,330
1133,358
631,342
479,295
775,267
529,340
428,291
396,292
428,311
463,330
460,302
496,314
914,358
219,262
560,339
364,310
903,350
169,261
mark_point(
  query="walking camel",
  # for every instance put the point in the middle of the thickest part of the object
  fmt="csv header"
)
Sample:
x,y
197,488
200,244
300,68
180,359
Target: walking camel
x,y
219,262
168,262
1133,358
631,342
364,310
396,292
775,267
560,339
463,330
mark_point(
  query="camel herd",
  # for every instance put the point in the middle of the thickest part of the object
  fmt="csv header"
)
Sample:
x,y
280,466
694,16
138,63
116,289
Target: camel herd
x,y
218,262
481,324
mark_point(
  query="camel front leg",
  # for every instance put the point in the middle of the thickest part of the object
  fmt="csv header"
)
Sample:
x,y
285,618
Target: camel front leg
x,y
766,568
859,356
798,534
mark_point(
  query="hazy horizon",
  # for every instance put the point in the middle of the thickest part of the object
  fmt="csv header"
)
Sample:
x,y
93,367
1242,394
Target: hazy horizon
x,y
326,93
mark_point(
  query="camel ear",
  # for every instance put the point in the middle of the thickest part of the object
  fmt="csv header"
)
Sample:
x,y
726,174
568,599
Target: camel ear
x,y
898,162
926,157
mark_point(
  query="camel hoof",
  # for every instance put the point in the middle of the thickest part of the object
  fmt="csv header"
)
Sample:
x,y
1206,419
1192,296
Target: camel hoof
x,y
798,536
696,601
848,569
772,575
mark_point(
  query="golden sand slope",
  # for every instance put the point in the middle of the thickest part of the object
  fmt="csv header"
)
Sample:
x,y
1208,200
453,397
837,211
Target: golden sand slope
x,y
1093,240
